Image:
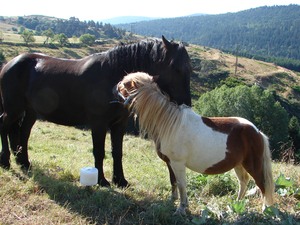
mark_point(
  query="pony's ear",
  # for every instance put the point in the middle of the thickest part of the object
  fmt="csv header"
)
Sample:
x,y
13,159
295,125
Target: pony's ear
x,y
155,78
166,43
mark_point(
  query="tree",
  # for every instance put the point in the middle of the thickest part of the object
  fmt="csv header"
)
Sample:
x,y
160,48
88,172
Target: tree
x,y
294,133
28,36
253,103
87,39
62,39
49,35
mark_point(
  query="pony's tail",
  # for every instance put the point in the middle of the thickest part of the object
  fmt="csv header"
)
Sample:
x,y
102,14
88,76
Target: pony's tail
x,y
267,170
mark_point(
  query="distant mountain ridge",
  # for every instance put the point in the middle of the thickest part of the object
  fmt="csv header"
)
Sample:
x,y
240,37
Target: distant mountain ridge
x,y
120,20
127,19
268,31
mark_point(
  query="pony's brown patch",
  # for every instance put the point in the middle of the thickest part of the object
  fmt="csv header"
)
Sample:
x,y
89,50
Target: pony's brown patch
x,y
220,124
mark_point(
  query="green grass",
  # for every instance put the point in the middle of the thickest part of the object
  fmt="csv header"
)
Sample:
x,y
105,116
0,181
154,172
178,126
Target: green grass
x,y
51,192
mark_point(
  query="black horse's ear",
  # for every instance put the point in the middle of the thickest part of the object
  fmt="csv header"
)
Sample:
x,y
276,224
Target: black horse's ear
x,y
166,43
155,78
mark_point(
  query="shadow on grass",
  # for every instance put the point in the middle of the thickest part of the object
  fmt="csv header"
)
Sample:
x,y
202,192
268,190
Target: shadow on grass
x,y
115,206
105,205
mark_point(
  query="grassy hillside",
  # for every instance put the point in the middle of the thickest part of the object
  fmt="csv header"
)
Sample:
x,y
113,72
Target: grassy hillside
x,y
51,192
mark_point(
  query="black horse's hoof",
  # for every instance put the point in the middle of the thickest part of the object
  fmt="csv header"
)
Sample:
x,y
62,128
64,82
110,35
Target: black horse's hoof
x,y
4,162
103,183
5,165
121,183
25,164
26,167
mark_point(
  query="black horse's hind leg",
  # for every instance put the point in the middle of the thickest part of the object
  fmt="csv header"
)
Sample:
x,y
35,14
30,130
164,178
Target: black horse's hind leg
x,y
5,124
14,137
5,153
22,149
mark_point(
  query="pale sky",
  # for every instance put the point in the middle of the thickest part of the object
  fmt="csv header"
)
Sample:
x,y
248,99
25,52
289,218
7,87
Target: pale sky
x,y
105,9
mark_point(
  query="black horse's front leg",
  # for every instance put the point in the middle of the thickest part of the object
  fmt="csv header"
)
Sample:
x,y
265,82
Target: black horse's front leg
x,y
117,154
117,130
98,136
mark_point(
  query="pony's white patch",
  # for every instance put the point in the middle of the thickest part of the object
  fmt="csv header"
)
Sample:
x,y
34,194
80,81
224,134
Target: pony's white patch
x,y
196,144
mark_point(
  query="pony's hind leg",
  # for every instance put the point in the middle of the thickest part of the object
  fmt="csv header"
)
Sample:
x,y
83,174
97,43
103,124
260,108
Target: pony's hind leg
x,y
243,178
259,167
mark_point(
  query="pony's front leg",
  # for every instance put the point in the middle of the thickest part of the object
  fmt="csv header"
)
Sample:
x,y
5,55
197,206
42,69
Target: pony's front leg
x,y
180,174
171,173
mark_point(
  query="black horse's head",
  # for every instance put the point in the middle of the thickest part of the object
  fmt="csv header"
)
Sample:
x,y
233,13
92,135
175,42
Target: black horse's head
x,y
174,70
165,58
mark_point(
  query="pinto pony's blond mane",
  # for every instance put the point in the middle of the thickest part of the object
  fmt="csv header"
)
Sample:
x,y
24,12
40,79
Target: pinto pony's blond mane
x,y
158,117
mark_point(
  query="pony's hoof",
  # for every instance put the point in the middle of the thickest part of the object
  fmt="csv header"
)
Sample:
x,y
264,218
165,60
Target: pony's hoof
x,y
121,183
180,211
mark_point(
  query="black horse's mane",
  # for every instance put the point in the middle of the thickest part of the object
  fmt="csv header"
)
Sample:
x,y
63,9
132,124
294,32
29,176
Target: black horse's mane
x,y
143,53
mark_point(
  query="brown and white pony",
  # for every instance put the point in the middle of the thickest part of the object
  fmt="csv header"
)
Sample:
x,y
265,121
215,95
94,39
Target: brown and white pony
x,y
208,145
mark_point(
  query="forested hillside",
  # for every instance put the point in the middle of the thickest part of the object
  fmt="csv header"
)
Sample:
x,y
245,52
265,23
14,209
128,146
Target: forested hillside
x,y
71,27
264,32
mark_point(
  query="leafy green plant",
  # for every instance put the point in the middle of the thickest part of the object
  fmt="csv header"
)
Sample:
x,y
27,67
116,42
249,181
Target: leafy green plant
x,y
284,185
238,206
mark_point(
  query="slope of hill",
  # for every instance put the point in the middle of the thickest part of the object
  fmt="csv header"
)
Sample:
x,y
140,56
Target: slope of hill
x,y
213,67
265,31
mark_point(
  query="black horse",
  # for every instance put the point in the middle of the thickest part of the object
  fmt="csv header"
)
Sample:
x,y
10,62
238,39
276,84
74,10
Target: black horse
x,y
79,92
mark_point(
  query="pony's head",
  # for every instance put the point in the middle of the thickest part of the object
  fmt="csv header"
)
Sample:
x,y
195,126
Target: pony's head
x,y
128,87
158,117
134,81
